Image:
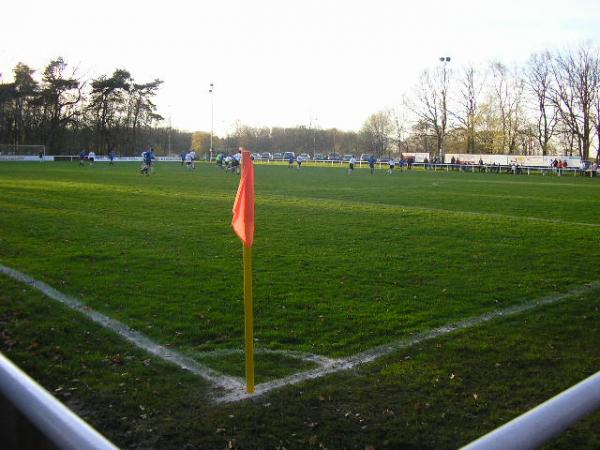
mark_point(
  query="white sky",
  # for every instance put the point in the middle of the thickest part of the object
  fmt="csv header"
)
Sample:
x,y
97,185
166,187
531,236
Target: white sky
x,y
283,63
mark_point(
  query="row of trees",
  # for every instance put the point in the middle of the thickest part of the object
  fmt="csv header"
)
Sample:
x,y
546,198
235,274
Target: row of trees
x,y
299,139
67,113
550,105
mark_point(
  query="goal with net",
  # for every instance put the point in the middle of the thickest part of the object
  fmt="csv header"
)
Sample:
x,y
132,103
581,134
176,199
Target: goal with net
x,y
22,152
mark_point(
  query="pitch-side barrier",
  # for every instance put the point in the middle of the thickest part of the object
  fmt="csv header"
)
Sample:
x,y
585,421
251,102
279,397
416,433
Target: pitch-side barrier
x,y
486,168
535,427
447,167
58,424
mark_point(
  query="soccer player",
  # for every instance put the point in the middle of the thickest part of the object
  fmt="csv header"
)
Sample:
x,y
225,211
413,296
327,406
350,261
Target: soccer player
x,y
82,156
193,158
147,158
236,161
372,164
91,157
351,163
392,165
188,160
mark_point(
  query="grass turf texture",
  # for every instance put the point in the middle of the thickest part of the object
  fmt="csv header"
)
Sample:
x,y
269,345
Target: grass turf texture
x,y
342,263
439,394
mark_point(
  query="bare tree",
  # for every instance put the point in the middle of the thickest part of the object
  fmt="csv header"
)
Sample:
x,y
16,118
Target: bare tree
x,y
538,74
574,93
377,132
400,129
508,91
471,87
597,108
431,104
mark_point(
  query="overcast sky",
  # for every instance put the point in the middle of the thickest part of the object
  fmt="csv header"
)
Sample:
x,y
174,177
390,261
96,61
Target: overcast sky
x,y
284,63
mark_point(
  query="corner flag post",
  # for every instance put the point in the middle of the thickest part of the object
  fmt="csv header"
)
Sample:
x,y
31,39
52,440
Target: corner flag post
x,y
243,225
248,319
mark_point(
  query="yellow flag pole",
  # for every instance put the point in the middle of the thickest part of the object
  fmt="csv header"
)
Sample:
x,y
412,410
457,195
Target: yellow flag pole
x,y
248,319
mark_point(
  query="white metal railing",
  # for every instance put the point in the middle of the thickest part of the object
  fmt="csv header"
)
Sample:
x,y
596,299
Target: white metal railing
x,y
545,421
58,423
446,167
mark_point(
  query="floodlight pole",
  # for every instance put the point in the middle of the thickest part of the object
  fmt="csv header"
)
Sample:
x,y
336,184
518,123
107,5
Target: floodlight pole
x,y
170,130
212,120
314,141
444,60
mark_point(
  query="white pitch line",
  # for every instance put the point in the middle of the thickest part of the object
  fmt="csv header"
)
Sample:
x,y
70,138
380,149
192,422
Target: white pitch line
x,y
293,354
233,388
337,365
217,379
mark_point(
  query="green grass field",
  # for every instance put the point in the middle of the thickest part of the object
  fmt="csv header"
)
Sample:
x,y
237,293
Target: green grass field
x,y
341,264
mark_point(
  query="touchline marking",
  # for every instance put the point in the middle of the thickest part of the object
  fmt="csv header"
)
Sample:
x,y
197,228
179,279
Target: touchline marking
x,y
219,380
337,365
232,389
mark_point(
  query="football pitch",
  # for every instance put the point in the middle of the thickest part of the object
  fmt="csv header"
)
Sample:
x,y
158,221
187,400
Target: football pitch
x,y
343,265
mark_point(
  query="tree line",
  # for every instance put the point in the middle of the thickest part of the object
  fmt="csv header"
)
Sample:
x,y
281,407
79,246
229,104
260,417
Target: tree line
x,y
548,106
67,113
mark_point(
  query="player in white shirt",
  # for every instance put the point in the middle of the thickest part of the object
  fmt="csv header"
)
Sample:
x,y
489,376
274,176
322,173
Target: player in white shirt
x,y
351,162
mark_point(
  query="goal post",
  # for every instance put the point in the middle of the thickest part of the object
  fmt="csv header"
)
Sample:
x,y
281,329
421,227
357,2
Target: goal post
x,y
22,152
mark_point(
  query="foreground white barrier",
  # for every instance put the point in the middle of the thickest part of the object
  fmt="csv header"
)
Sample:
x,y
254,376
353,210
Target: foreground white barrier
x,y
545,421
58,423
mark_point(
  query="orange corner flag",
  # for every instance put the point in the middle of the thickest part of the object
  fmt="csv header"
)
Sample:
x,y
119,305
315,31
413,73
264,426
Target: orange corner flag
x,y
243,207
